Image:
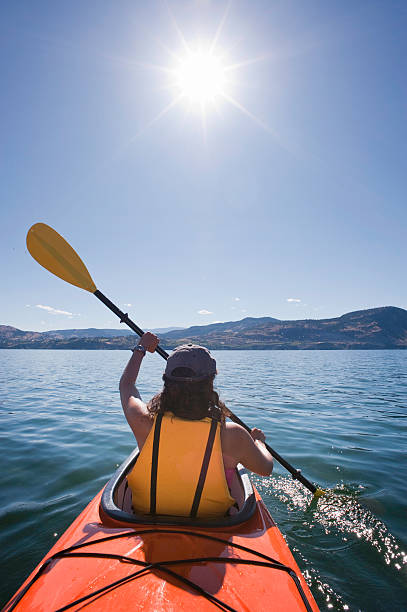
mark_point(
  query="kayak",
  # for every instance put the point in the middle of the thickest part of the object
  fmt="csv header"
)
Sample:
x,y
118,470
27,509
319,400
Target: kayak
x,y
113,559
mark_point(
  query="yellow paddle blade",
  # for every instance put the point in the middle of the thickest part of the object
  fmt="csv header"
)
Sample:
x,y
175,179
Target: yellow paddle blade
x,y
56,255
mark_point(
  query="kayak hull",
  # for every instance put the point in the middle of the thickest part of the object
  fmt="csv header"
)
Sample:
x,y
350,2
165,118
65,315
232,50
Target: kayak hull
x,y
145,564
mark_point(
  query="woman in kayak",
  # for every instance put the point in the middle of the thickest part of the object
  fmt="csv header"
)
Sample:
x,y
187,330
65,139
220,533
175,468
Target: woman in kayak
x,y
188,452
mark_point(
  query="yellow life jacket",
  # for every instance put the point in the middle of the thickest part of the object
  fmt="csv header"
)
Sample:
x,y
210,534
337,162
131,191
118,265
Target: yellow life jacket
x,y
180,470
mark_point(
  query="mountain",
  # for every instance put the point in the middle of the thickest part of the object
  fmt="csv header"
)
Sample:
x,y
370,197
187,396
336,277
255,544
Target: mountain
x,y
375,328
230,328
92,332
11,337
165,330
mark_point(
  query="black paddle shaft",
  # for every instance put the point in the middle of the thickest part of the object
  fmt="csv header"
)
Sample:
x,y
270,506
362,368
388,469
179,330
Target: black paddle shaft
x,y
124,318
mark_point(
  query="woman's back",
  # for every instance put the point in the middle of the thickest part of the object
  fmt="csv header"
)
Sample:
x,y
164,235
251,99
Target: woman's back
x,y
186,406
180,470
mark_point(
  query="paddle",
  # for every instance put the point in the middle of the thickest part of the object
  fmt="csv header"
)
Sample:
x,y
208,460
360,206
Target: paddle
x,y
56,255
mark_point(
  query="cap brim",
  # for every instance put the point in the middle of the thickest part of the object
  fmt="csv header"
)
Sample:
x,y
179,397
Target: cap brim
x,y
187,378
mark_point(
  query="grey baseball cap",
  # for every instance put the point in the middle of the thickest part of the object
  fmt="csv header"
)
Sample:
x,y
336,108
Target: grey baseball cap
x,y
196,358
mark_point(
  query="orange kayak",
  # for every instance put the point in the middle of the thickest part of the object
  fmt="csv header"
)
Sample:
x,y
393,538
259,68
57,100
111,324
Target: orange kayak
x,y
112,559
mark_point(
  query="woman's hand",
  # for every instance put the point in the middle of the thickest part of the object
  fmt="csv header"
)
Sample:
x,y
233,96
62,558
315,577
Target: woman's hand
x,y
149,341
258,434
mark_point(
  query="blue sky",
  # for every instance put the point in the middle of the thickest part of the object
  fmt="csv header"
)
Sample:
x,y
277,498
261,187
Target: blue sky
x,y
286,197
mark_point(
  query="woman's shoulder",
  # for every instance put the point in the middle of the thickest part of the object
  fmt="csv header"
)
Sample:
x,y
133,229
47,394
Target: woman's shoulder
x,y
232,436
233,429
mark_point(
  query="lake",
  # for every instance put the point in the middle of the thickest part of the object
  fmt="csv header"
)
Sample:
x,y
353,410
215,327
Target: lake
x,y
339,416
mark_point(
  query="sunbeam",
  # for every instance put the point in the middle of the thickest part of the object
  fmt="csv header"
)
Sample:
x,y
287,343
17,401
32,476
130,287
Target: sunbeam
x,y
247,62
220,27
290,149
177,29
159,116
246,112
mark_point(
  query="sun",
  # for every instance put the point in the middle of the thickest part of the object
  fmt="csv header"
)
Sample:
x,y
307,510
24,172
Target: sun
x,y
200,77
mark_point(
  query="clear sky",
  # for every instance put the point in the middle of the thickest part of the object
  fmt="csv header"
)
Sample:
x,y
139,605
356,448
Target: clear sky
x,y
208,160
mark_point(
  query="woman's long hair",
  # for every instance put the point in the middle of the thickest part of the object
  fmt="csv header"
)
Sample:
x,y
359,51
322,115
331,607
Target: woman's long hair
x,y
188,400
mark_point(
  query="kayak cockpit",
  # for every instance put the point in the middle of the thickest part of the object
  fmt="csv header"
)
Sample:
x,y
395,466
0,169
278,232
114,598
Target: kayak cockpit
x,y
116,501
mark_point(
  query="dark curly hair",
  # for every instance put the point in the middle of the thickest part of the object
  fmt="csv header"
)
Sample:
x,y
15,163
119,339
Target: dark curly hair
x,y
188,399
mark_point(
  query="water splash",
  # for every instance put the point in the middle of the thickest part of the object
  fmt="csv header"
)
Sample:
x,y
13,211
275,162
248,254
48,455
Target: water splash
x,y
340,511
336,522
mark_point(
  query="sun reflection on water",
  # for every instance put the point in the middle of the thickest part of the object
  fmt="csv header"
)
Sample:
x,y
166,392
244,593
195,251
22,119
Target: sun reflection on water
x,y
335,523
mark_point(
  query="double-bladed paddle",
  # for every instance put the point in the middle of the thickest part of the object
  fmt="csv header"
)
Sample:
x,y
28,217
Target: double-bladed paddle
x,y
56,255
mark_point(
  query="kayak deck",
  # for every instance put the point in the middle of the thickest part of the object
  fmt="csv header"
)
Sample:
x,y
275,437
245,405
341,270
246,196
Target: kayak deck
x,y
103,563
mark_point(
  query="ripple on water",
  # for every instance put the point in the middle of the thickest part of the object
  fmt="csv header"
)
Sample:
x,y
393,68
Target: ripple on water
x,y
341,416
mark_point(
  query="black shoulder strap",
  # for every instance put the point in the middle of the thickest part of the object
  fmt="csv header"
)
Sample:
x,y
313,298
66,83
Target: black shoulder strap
x,y
154,463
204,468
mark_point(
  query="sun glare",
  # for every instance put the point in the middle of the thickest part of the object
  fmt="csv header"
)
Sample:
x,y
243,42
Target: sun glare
x,y
200,77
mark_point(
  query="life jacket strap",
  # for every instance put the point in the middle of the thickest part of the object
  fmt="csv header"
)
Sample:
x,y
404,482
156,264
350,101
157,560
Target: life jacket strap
x,y
154,464
204,468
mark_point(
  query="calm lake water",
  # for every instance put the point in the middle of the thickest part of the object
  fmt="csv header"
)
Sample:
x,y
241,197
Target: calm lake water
x,y
340,416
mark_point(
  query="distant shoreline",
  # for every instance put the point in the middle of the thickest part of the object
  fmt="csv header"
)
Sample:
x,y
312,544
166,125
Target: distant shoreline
x,y
212,348
380,328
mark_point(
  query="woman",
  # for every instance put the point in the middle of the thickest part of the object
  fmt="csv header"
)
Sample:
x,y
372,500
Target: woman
x,y
188,452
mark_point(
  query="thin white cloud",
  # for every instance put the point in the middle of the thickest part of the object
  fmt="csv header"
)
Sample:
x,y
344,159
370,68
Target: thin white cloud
x,y
204,312
213,322
237,299
127,305
294,300
54,311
